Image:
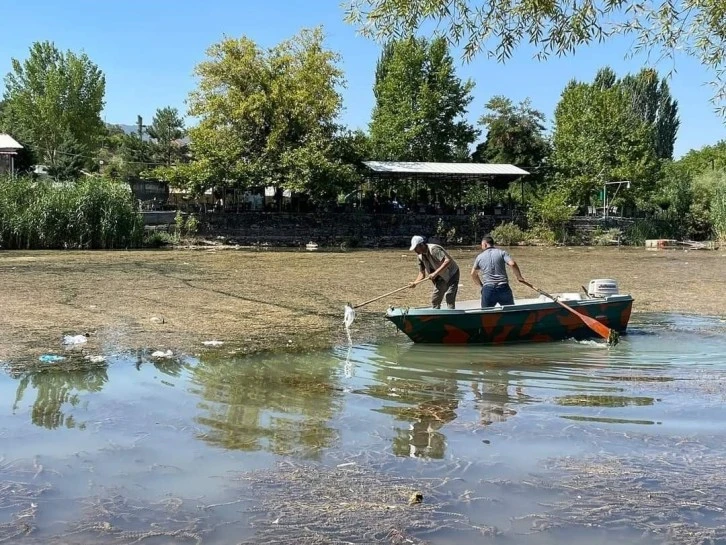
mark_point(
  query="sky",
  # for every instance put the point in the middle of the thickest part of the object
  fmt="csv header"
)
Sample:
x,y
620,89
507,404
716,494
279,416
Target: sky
x,y
148,50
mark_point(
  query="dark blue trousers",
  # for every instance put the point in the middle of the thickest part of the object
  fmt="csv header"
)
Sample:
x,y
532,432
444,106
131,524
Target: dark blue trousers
x,y
491,295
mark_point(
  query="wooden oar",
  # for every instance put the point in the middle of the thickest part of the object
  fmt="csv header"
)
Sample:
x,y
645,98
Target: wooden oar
x,y
389,293
610,335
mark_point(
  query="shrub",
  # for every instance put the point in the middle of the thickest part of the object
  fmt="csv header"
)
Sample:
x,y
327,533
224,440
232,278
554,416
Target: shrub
x,y
157,239
508,234
539,235
90,213
602,237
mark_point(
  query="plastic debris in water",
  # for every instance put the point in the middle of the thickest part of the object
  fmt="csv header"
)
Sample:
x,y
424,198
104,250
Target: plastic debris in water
x,y
213,343
95,359
161,354
70,340
348,319
51,358
349,316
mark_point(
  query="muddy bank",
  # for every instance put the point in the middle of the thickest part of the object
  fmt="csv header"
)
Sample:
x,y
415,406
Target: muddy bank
x,y
259,300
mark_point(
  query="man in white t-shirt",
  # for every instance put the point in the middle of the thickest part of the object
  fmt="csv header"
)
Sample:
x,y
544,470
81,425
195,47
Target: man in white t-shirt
x,y
441,269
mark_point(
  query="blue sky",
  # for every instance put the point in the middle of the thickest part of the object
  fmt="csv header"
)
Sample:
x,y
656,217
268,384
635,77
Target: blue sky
x,y
148,50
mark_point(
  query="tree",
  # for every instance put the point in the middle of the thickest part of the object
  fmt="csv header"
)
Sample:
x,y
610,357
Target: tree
x,y
652,102
498,27
258,109
71,158
515,134
53,98
597,137
166,131
420,104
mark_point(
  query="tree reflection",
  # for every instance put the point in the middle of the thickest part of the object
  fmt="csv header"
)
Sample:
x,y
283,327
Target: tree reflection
x,y
282,404
55,388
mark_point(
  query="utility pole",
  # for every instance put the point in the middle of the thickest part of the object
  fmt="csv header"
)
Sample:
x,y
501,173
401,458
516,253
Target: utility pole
x,y
139,122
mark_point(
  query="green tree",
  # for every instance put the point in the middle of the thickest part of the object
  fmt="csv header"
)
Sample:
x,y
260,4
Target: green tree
x,y
71,159
597,137
496,28
420,104
166,131
52,95
260,110
707,158
652,102
515,134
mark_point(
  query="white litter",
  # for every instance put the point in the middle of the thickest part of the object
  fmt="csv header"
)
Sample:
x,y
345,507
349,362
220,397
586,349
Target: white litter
x,y
95,359
70,340
213,343
160,354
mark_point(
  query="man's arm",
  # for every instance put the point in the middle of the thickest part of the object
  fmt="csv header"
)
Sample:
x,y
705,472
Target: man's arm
x,y
446,262
421,275
516,270
475,276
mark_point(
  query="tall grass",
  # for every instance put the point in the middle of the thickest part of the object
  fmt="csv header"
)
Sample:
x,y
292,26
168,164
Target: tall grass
x,y
643,229
718,213
92,213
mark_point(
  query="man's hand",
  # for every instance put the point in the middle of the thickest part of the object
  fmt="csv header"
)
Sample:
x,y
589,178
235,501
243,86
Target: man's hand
x,y
433,277
412,285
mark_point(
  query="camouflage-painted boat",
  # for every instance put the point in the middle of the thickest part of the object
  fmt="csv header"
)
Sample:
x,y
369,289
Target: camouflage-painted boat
x,y
528,320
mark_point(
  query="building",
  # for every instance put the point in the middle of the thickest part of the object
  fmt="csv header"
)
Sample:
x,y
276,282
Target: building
x,y
9,148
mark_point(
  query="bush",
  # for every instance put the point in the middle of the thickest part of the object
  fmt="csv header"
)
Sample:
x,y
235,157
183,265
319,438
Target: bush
x,y
649,228
539,235
92,213
552,212
508,234
158,239
602,237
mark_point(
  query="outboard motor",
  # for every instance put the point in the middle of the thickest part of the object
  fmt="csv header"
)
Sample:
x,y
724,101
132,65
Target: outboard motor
x,y
602,287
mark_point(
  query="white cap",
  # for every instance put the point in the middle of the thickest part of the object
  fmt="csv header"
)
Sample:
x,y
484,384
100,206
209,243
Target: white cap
x,y
415,241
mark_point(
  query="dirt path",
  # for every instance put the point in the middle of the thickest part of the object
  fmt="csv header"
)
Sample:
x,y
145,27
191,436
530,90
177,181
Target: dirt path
x,y
265,299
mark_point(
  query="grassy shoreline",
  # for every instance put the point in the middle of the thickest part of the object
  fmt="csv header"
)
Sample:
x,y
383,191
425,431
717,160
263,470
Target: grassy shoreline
x,y
269,300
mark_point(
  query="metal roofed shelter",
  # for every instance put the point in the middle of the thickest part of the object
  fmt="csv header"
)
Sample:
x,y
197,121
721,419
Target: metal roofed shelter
x,y
494,175
9,148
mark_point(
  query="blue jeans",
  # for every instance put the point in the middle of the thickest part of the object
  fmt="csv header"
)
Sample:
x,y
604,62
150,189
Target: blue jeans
x,y
493,294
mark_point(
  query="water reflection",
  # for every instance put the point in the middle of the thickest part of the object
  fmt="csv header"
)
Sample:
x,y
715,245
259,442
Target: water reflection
x,y
282,403
56,388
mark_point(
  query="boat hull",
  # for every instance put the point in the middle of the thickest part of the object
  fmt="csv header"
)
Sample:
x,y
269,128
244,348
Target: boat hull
x,y
535,322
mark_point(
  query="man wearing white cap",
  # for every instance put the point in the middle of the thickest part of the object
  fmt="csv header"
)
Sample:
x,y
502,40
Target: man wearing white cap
x,y
441,268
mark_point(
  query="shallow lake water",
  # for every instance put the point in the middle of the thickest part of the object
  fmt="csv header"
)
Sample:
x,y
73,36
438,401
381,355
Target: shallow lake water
x,y
567,442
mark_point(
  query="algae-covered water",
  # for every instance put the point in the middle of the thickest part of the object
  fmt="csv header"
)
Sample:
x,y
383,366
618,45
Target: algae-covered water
x,y
550,443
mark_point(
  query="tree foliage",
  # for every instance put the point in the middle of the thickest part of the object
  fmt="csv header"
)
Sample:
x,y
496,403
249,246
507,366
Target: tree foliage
x,y
166,131
265,115
53,101
599,138
496,28
515,134
652,102
420,103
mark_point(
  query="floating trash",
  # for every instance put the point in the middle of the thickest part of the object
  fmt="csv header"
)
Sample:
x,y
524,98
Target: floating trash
x,y
72,340
95,359
161,354
51,358
213,343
